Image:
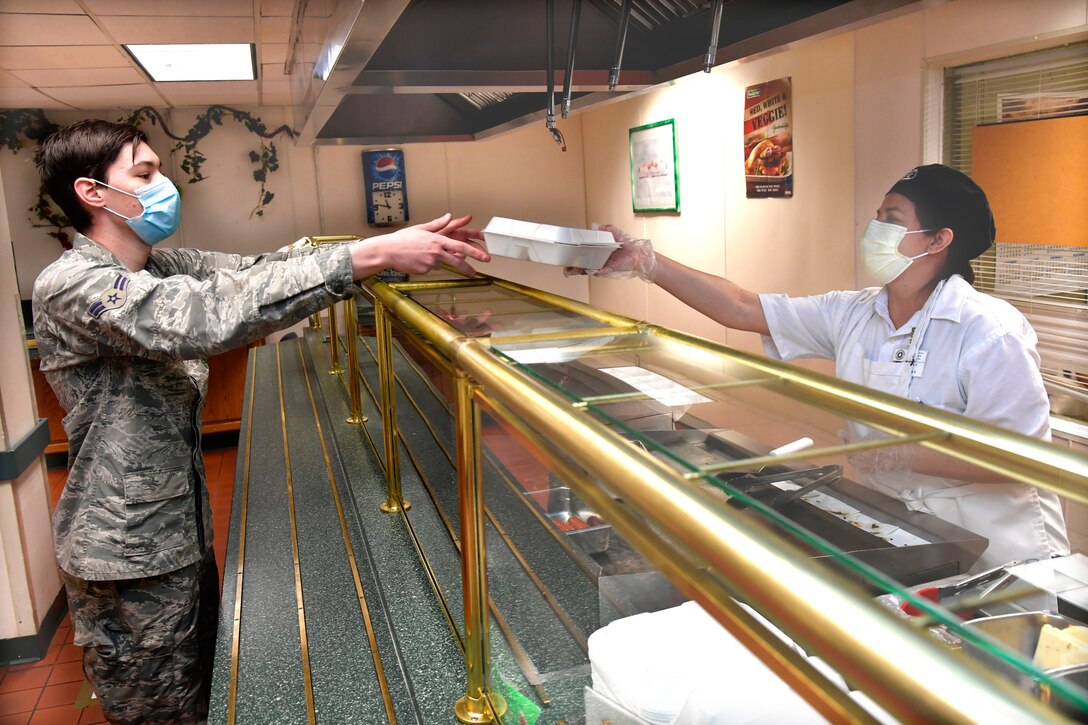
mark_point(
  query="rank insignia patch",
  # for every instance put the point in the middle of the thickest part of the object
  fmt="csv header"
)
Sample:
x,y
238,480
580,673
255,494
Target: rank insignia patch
x,y
111,298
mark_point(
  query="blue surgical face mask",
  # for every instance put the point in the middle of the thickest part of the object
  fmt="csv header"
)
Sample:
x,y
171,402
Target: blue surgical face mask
x,y
162,210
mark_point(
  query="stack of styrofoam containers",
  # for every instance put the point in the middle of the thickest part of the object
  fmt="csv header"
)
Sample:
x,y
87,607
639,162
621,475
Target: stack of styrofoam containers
x,y
548,244
680,667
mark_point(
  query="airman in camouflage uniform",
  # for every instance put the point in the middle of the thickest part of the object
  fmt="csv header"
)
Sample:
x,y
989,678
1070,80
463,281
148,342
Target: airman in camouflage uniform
x,y
123,332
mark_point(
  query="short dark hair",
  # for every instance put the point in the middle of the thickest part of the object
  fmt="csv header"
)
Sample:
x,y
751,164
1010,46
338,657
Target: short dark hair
x,y
944,197
84,148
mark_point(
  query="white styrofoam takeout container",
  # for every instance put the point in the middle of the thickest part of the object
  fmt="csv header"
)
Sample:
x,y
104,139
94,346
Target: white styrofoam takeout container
x,y
548,244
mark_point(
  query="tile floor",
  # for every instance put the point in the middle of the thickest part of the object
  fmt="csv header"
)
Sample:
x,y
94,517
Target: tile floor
x,y
52,691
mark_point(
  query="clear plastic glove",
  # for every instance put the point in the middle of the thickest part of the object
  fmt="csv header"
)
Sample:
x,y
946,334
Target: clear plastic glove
x,y
634,258
878,460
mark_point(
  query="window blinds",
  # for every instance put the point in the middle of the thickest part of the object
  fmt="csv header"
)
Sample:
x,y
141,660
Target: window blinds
x,y
1048,283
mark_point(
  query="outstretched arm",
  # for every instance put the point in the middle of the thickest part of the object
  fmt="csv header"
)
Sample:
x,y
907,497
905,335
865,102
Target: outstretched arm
x,y
716,297
420,249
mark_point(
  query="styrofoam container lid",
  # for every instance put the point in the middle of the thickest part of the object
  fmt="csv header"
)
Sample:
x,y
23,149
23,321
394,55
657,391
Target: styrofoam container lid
x,y
548,244
549,233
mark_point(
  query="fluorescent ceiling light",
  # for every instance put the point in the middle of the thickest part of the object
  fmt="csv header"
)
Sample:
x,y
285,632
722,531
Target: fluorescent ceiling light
x,y
196,62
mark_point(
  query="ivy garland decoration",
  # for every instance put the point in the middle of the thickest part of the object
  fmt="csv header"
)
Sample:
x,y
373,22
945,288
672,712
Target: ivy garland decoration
x,y
19,127
267,160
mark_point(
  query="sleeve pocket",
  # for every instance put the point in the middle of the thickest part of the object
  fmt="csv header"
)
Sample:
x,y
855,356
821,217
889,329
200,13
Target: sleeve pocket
x,y
158,511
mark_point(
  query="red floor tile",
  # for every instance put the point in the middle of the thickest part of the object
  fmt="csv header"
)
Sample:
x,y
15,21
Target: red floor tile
x,y
92,714
51,655
67,715
66,672
21,718
62,636
25,679
70,653
57,695
20,701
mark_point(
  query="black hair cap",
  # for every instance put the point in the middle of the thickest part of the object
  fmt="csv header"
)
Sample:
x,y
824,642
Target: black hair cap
x,y
945,197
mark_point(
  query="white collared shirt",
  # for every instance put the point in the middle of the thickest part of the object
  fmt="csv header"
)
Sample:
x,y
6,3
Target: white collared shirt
x,y
980,357
964,352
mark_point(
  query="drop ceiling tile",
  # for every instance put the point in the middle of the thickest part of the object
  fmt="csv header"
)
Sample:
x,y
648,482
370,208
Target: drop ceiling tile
x,y
55,78
36,30
62,56
96,97
276,93
62,7
275,30
233,93
7,80
130,29
278,7
27,98
172,8
273,72
274,53
314,33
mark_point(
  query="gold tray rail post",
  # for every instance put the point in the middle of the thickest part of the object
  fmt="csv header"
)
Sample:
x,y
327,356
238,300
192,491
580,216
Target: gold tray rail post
x,y
394,501
334,344
351,326
474,707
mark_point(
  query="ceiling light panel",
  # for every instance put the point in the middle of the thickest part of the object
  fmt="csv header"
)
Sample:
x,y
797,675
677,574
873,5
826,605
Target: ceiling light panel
x,y
196,62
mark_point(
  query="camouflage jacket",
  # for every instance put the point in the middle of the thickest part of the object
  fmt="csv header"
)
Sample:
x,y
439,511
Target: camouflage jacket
x,y
125,354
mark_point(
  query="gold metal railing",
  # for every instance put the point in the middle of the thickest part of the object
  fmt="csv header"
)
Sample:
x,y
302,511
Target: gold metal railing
x,y
351,325
348,310
835,619
712,555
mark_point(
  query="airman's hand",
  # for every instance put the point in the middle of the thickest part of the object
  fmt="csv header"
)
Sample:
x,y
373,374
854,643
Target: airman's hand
x,y
420,249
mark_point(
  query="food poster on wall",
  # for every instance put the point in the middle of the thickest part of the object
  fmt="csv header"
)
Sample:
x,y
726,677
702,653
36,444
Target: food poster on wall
x,y
768,140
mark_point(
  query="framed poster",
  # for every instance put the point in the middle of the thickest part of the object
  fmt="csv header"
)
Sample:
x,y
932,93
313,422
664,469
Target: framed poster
x,y
768,140
384,187
655,178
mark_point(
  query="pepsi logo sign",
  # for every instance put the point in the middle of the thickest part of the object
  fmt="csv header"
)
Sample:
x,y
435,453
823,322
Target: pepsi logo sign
x,y
386,167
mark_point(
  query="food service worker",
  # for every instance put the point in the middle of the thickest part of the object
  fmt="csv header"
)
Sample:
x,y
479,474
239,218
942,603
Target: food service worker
x,y
123,330
926,335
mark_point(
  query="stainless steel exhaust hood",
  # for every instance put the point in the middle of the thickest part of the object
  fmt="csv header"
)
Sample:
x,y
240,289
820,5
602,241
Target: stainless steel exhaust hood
x,y
400,71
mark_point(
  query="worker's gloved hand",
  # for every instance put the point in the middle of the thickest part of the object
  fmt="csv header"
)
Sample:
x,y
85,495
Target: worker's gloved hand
x,y
878,460
634,258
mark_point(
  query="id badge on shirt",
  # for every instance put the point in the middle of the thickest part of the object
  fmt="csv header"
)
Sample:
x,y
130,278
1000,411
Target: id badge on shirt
x,y
919,364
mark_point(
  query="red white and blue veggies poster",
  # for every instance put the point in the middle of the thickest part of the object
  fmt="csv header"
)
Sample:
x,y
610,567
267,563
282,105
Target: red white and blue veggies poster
x,y
768,140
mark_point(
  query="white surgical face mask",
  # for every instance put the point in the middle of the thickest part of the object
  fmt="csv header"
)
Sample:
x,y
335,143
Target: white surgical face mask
x,y
880,250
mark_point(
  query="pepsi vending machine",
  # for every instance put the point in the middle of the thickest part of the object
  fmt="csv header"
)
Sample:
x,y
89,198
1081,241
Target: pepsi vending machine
x,y
386,195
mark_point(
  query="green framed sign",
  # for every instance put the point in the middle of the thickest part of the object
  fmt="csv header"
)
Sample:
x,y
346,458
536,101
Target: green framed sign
x,y
655,174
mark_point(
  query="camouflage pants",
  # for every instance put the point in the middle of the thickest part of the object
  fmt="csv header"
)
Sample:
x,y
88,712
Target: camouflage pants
x,y
149,642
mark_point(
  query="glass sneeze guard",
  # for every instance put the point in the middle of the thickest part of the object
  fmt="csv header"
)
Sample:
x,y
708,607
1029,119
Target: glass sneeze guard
x,y
646,460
